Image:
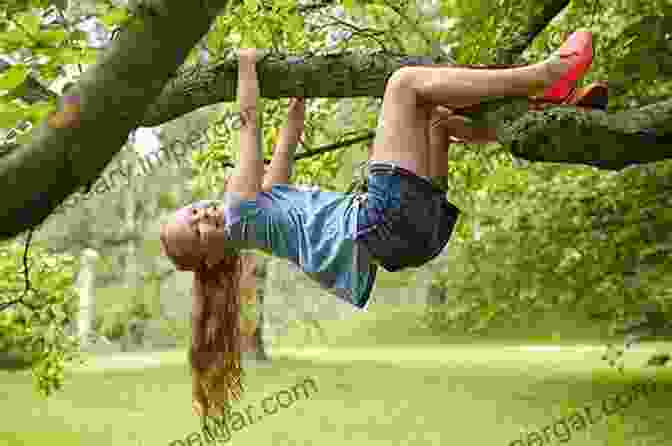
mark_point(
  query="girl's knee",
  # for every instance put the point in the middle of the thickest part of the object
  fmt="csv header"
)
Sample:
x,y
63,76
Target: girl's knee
x,y
402,79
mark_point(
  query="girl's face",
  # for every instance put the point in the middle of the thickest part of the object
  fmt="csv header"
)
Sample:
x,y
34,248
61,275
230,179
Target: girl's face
x,y
197,235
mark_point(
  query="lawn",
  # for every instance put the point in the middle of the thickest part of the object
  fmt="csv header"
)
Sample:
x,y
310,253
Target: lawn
x,y
405,394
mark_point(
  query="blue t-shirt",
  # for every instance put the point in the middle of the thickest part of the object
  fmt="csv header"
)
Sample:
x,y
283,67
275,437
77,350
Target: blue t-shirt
x,y
311,228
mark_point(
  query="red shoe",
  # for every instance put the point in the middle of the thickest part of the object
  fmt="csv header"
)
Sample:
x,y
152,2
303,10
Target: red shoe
x,y
593,96
578,52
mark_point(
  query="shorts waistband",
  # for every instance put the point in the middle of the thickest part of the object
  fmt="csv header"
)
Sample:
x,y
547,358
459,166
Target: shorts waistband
x,y
383,167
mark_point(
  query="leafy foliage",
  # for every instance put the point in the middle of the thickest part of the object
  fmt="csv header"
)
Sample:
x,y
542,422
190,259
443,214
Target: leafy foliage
x,y
40,328
43,50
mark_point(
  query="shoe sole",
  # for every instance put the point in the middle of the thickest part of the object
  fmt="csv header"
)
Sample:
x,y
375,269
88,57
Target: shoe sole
x,y
581,42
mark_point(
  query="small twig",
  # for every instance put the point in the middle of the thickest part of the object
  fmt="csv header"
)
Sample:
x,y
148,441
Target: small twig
x,y
25,259
354,27
6,305
335,146
303,9
361,32
26,275
321,150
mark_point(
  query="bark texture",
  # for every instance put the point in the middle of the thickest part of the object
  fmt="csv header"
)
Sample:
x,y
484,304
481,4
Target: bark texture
x,y
570,135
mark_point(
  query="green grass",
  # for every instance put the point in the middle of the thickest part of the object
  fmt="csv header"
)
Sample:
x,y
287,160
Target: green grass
x,y
405,394
398,325
475,395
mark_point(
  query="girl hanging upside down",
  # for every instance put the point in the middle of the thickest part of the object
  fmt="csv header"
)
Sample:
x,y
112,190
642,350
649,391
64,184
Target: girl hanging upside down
x,y
338,239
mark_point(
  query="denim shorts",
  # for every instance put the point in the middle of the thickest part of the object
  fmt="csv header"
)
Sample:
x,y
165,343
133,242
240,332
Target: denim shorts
x,y
404,220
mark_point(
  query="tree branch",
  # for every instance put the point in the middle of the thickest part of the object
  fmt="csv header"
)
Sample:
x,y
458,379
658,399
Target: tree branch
x,y
343,75
571,135
323,149
312,7
26,277
335,146
352,74
568,134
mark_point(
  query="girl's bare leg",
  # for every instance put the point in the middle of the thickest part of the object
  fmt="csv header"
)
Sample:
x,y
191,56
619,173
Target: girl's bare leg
x,y
439,145
412,93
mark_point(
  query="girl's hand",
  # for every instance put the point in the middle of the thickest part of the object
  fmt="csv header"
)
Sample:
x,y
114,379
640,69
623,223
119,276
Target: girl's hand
x,y
251,55
247,54
461,130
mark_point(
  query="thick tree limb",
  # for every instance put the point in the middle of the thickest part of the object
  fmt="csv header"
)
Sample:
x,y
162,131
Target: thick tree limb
x,y
570,135
343,75
222,88
113,95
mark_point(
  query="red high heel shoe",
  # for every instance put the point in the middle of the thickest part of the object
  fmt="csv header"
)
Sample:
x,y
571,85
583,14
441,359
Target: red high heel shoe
x,y
593,96
577,51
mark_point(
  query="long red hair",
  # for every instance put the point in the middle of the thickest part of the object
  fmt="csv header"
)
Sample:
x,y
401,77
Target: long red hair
x,y
215,350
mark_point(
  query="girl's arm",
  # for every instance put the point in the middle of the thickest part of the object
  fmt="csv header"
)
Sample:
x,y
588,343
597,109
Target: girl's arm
x,y
280,170
246,181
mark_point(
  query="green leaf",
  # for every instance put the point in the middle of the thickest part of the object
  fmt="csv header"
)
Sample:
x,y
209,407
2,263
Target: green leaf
x,y
348,5
10,115
52,37
30,23
295,23
251,4
71,56
13,40
38,112
13,77
115,16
